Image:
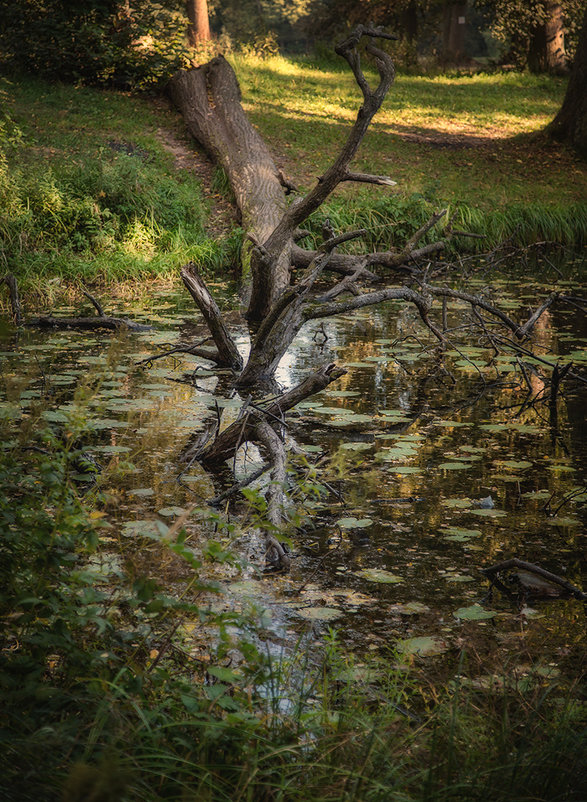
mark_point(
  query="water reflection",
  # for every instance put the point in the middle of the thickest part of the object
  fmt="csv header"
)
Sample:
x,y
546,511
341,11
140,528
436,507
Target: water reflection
x,y
447,460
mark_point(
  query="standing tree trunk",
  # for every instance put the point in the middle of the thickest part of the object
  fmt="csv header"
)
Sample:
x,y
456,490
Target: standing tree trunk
x,y
199,24
453,37
547,46
570,124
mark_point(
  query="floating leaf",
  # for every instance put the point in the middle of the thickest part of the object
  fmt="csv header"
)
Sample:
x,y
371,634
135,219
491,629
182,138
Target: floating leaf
x,y
356,446
169,512
142,491
356,417
354,523
454,466
515,464
379,575
456,503
474,613
537,495
488,513
319,613
404,469
410,608
425,646
459,534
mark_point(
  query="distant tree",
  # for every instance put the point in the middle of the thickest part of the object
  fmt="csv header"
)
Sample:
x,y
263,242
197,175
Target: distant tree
x,y
199,22
453,30
570,124
540,34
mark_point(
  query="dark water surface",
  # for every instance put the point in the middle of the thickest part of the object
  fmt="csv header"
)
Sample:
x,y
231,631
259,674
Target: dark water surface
x,y
443,468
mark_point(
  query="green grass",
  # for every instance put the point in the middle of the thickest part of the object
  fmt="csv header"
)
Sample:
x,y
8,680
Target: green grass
x,y
471,142
89,193
74,205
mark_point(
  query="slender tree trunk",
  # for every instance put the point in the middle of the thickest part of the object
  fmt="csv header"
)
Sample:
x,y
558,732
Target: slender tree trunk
x,y
453,39
570,124
547,47
199,24
409,21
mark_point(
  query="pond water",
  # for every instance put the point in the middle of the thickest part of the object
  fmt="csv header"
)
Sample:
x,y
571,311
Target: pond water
x,y
440,469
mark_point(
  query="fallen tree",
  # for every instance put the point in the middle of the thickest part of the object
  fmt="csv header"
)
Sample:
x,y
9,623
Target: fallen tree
x,y
289,286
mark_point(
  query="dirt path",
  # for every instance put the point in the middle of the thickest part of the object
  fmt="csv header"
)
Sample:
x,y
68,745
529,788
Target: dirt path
x,y
222,213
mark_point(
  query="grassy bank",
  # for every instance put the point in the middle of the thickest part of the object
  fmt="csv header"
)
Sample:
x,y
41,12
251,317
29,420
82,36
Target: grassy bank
x,y
90,192
470,142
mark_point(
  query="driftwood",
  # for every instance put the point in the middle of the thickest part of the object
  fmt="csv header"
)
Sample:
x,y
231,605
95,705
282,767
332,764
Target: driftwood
x,y
86,323
522,565
100,321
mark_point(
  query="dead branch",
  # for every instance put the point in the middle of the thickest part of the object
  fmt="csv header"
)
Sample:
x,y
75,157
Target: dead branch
x,y
224,446
535,569
10,280
273,445
95,303
86,323
228,355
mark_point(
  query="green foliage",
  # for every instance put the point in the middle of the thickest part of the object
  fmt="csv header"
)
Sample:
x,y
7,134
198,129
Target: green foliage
x,y
103,203
97,42
515,22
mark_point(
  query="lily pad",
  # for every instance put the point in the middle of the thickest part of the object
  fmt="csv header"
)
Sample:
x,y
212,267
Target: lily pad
x,y
473,613
356,446
459,534
454,466
379,575
403,469
515,464
142,491
425,646
489,513
354,523
457,503
169,512
410,608
320,613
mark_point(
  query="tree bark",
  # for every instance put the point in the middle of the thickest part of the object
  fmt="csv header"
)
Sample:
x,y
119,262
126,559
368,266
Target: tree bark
x,y
453,38
570,124
547,46
199,23
209,100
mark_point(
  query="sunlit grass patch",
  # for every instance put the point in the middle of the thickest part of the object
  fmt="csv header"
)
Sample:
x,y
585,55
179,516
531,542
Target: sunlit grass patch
x,y
465,140
88,192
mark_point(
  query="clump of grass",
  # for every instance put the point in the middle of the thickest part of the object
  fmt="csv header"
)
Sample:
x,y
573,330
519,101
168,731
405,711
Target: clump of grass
x,y
105,205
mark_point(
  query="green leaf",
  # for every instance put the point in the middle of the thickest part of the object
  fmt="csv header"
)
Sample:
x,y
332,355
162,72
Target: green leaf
x,y
354,523
473,613
425,646
379,575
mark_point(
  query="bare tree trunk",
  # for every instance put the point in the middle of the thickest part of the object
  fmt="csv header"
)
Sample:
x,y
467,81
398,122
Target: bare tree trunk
x,y
209,100
547,47
453,38
570,124
199,23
